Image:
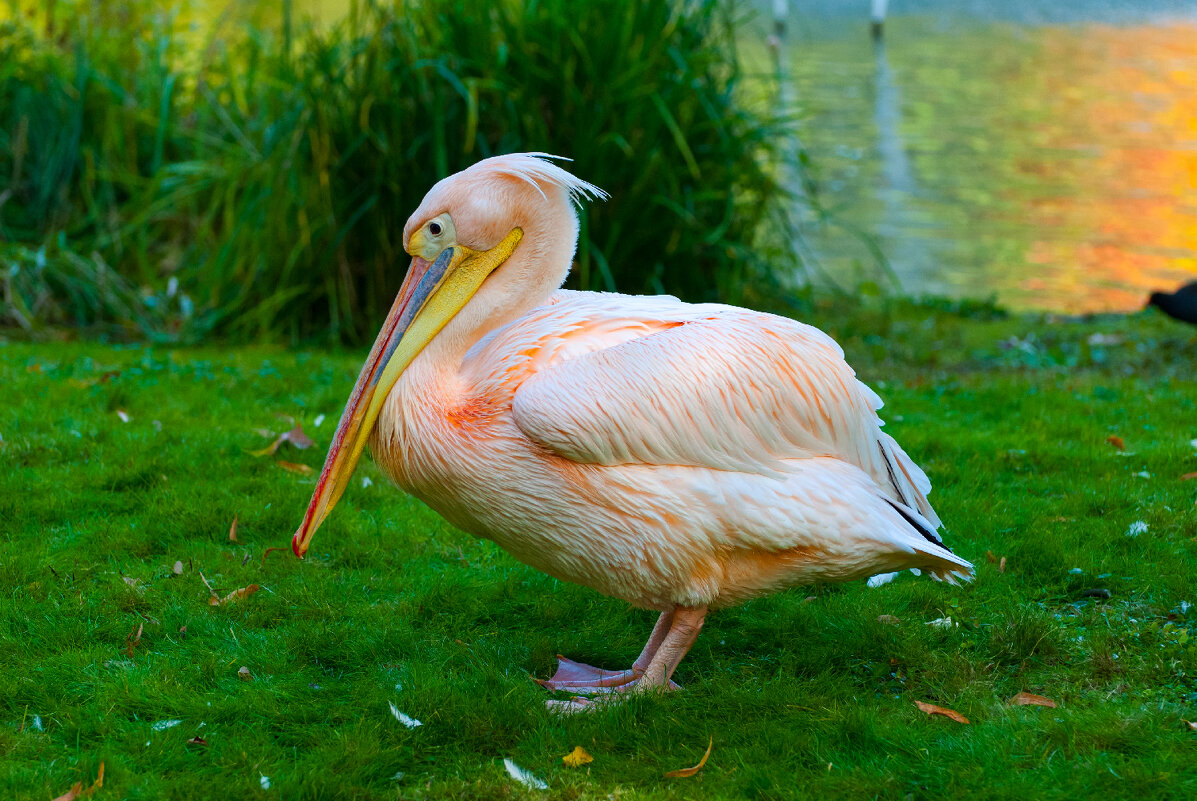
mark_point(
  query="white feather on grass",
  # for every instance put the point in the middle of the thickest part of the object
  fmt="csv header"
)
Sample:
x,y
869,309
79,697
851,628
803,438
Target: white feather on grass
x,y
523,777
409,722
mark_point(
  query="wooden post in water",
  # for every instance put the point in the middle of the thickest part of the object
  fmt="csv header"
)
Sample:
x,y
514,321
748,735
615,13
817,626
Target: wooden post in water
x,y
878,18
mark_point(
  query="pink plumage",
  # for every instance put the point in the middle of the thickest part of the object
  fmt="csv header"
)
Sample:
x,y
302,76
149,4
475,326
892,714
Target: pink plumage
x,y
680,457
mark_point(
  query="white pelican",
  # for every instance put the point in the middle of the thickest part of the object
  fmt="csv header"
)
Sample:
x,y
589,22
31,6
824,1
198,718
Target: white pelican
x,y
680,457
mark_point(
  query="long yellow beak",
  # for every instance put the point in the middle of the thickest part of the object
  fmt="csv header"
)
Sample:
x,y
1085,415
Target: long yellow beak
x,y
432,293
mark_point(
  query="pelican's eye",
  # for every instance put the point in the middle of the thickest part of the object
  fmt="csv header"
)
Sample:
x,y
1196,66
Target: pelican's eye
x,y
435,229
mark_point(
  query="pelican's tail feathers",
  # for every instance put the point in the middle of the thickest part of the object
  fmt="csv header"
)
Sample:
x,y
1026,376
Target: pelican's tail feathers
x,y
943,565
909,480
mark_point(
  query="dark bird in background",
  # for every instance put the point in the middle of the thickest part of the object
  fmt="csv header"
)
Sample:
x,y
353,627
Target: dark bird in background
x,y
1179,305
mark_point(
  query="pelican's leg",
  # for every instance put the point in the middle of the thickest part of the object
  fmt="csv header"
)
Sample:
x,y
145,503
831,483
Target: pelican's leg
x,y
576,677
672,637
683,631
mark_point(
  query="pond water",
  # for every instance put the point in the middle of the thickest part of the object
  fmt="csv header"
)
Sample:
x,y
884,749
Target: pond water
x,y
1043,154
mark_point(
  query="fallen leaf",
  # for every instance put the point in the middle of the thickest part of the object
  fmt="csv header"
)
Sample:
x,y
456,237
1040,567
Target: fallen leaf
x,y
523,777
235,595
577,757
1030,699
888,620
244,674
1002,565
1188,476
133,639
215,599
1116,441
77,790
299,439
409,722
302,469
932,709
270,550
295,436
132,582
233,530
197,740
686,773
990,558
178,569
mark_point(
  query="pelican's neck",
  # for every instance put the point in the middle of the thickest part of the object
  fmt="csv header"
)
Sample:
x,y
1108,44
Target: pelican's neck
x,y
525,281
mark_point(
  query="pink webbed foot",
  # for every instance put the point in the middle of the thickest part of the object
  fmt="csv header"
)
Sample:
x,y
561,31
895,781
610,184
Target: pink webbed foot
x,y
576,677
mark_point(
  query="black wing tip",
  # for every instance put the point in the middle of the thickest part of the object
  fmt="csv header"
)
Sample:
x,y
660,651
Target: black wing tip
x,y
918,524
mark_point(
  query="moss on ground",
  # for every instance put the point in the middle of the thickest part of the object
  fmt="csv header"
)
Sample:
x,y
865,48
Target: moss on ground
x,y
806,694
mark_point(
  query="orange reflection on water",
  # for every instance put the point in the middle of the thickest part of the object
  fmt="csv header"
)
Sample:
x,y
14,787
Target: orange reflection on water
x,y
1128,97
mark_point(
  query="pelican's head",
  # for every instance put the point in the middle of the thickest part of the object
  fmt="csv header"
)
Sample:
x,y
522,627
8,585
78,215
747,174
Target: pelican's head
x,y
468,226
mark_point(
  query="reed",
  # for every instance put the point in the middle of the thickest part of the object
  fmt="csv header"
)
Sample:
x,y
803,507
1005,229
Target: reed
x,y
253,184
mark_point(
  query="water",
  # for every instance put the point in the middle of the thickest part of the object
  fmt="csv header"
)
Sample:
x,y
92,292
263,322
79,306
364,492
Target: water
x,y
1042,153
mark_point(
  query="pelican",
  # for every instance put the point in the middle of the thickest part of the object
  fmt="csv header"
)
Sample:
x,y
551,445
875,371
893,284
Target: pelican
x,y
681,457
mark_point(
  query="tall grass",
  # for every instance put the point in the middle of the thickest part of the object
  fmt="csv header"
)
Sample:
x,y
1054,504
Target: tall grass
x,y
269,171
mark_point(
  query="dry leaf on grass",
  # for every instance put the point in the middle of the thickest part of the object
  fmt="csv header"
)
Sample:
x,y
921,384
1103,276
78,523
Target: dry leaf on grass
x,y
197,740
178,568
1116,441
1188,476
990,557
932,709
1030,699
577,757
272,550
295,436
233,530
686,773
294,467
215,599
244,674
133,639
1002,565
77,790
71,794
235,595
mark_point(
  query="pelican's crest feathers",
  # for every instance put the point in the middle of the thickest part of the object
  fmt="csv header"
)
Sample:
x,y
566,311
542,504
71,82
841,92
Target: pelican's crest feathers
x,y
535,169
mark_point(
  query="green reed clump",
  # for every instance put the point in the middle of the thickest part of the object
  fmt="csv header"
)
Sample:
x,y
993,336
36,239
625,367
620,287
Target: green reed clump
x,y
270,173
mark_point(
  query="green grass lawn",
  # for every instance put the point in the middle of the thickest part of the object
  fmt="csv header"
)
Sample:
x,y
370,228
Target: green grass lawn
x,y
805,694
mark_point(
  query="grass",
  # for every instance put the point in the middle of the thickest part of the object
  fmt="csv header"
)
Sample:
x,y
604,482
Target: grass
x,y
806,694
253,182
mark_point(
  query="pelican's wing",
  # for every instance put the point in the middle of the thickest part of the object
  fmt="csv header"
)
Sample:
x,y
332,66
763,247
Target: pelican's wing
x,y
719,387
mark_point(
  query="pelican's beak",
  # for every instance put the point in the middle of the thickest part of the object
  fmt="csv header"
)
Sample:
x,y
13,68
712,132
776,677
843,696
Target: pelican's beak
x,y
430,296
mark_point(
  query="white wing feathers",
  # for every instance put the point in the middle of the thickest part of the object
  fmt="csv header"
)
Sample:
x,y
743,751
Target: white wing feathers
x,y
719,387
